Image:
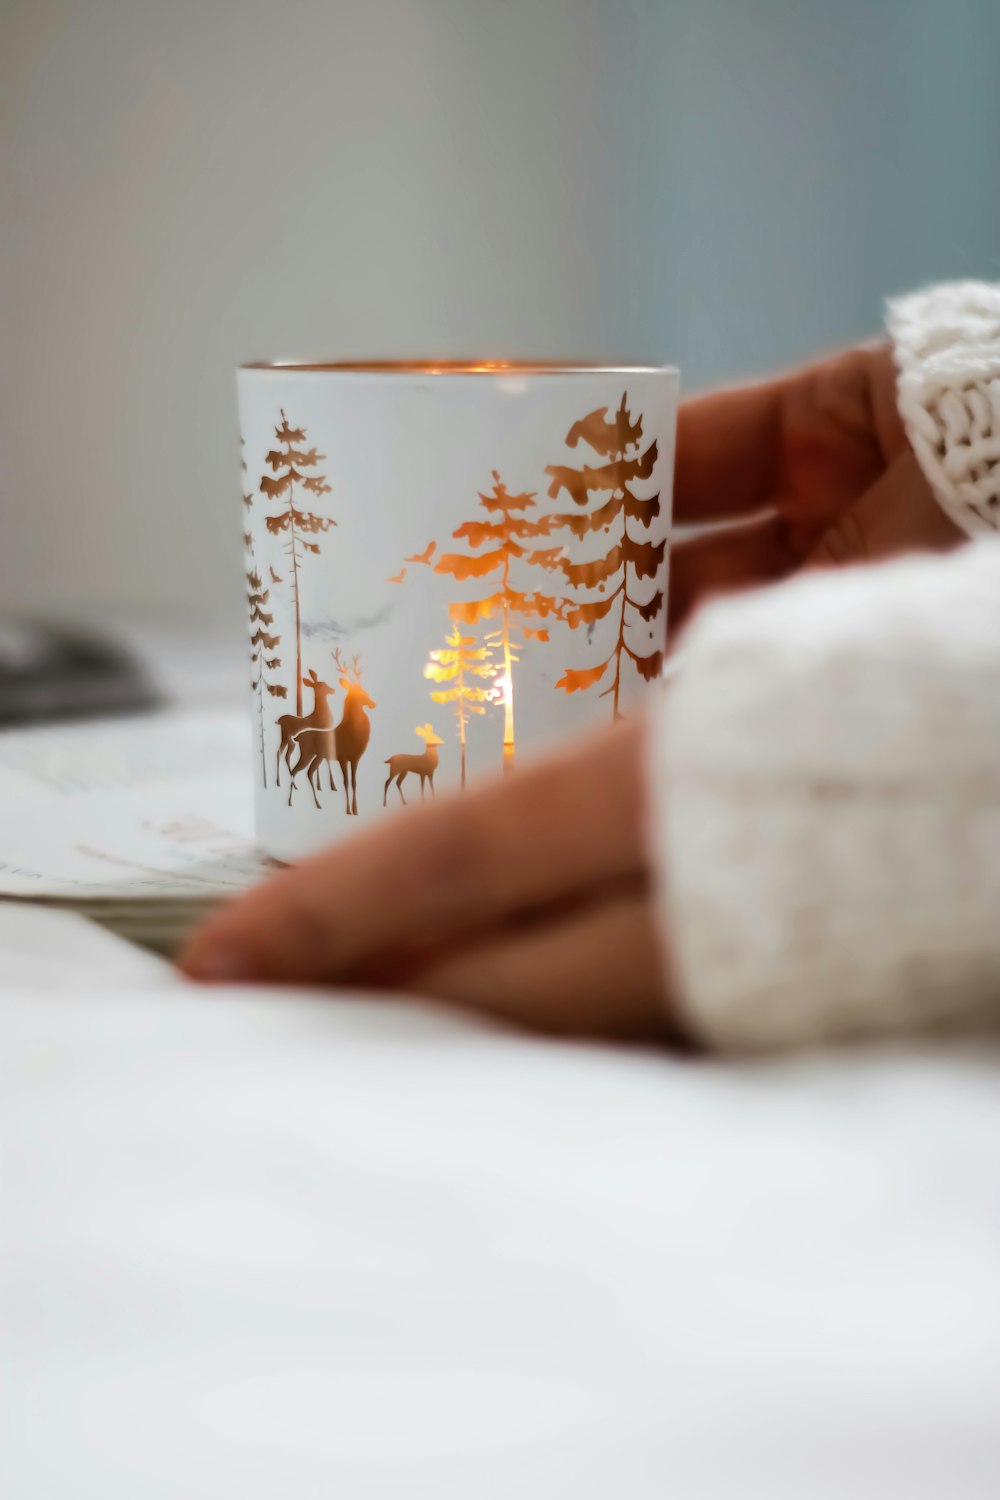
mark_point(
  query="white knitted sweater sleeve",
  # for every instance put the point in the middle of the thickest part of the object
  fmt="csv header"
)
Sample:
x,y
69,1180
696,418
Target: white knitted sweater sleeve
x,y
947,344
827,771
827,762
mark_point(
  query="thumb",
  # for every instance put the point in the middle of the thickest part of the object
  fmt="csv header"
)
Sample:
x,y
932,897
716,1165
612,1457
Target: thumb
x,y
897,514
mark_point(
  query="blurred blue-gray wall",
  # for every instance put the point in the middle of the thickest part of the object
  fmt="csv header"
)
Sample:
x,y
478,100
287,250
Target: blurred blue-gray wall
x,y
728,184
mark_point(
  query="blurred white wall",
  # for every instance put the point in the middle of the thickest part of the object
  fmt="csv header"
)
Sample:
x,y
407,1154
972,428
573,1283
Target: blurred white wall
x,y
184,185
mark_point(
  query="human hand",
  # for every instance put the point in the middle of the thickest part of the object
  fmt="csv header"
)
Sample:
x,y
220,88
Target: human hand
x,y
824,452
528,899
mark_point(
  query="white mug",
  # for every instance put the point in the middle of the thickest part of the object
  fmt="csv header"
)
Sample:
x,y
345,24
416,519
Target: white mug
x,y
449,566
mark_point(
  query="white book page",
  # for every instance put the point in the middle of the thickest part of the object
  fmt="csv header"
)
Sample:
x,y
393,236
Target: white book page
x,y
159,806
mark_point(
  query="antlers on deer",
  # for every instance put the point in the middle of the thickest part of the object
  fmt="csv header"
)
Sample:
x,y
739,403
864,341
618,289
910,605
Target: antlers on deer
x,y
352,672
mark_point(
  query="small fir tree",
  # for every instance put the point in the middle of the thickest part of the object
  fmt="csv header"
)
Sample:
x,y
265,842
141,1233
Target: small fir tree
x,y
463,667
288,461
504,537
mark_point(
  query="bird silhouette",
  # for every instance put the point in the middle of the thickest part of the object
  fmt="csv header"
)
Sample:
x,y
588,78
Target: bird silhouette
x,y
398,578
275,577
423,557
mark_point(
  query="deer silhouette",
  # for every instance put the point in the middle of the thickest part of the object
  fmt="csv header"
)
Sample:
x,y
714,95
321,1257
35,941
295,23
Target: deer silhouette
x,y
292,725
424,766
345,744
354,730
316,747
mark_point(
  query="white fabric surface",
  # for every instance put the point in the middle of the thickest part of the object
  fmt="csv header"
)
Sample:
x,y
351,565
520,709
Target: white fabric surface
x,y
263,1246
45,950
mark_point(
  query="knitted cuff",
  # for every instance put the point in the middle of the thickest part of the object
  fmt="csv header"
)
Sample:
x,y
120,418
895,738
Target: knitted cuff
x,y
824,779
947,344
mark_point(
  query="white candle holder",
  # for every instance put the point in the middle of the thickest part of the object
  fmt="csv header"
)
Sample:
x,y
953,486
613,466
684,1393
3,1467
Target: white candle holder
x,y
449,566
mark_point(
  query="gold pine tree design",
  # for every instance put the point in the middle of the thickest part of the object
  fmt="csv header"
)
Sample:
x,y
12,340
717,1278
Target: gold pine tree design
x,y
263,645
504,537
631,559
461,667
289,460
247,498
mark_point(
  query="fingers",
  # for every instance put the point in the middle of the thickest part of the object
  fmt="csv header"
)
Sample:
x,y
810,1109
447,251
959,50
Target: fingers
x,y
596,972
728,452
727,559
894,515
825,430
560,826
897,514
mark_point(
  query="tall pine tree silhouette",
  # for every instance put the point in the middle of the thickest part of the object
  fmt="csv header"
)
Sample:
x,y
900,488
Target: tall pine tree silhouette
x,y
631,558
262,647
463,666
288,461
503,537
262,644
247,499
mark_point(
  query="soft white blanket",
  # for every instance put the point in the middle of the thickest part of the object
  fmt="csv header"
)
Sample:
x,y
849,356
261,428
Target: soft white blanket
x,y
271,1245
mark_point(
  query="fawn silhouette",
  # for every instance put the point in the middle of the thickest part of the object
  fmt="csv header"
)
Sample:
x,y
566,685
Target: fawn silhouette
x,y
424,766
292,725
345,744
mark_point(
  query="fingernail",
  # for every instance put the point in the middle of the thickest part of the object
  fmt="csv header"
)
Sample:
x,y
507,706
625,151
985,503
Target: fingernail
x,y
218,963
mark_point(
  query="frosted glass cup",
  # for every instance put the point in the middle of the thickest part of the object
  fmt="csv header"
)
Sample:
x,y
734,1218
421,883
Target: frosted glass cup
x,y
448,567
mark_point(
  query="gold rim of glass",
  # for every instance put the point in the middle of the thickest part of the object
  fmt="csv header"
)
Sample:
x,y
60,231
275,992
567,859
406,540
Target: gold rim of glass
x,y
460,366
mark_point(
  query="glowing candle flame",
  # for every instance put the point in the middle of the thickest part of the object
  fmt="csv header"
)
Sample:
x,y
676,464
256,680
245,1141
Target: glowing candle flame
x,y
504,690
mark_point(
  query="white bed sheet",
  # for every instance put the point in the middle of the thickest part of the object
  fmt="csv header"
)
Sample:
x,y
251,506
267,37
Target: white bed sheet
x,y
272,1245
